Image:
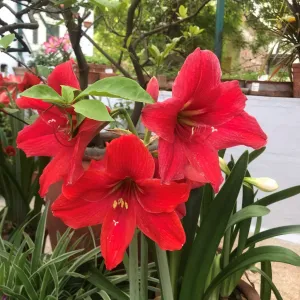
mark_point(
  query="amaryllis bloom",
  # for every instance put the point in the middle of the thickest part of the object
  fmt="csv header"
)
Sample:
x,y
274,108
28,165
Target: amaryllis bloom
x,y
13,84
153,88
10,151
121,193
203,116
51,134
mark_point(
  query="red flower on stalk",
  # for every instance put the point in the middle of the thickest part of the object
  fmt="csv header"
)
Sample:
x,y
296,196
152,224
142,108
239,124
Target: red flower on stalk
x,y
122,194
10,151
13,84
203,116
51,134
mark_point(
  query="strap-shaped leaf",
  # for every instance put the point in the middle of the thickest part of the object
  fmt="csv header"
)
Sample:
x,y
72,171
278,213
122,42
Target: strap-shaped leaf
x,y
211,232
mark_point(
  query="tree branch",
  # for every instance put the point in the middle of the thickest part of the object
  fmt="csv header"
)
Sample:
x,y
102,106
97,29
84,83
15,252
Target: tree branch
x,y
167,26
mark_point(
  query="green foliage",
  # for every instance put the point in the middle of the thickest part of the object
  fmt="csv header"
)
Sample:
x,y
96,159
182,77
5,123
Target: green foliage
x,y
28,273
92,109
6,40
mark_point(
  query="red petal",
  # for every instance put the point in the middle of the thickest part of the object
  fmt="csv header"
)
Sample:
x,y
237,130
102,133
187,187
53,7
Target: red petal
x,y
165,228
24,102
161,117
93,186
158,198
241,130
181,210
87,130
55,171
28,81
116,233
35,139
63,74
171,159
229,101
203,163
199,74
127,156
78,213
153,88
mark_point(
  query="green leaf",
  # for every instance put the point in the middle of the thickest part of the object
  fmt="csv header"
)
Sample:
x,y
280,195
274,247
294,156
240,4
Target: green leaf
x,y
39,240
100,281
265,287
256,153
10,110
43,71
54,274
253,256
67,93
182,11
27,284
45,93
104,295
270,233
268,280
207,240
6,40
246,213
9,292
281,195
106,3
93,109
117,87
154,51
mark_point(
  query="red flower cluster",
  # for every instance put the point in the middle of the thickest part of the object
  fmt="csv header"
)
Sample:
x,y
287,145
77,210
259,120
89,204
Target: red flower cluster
x,y
14,84
203,116
50,135
123,191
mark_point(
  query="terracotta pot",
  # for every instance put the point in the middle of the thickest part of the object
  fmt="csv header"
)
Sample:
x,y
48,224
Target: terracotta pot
x,y
19,71
104,75
248,291
296,80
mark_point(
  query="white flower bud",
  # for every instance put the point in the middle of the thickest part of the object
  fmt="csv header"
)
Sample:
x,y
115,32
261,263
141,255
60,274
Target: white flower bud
x,y
223,166
265,184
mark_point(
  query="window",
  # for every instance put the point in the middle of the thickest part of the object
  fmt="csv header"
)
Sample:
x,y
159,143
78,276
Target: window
x,y
35,38
52,30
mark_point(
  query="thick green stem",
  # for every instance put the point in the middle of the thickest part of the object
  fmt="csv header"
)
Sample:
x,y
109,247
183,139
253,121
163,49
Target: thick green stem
x,y
122,111
147,136
164,274
133,269
144,268
175,257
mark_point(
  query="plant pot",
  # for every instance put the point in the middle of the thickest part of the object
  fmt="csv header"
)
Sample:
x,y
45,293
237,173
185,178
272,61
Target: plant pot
x,y
19,71
270,88
296,80
248,291
94,71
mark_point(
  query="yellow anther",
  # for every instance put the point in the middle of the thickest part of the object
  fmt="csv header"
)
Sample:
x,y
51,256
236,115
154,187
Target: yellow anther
x,y
115,204
126,205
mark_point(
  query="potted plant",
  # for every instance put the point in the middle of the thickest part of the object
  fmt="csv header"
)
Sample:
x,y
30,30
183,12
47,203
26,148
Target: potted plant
x,y
286,27
166,203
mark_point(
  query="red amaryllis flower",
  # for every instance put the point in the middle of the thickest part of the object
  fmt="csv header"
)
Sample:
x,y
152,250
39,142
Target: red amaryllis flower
x,y
50,135
122,194
28,81
153,88
10,151
202,116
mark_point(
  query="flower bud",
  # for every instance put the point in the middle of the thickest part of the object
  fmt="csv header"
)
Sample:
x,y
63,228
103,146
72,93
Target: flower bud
x,y
223,166
153,88
265,184
10,151
289,19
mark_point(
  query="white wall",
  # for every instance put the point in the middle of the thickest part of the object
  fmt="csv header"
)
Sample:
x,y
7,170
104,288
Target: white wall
x,y
42,34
